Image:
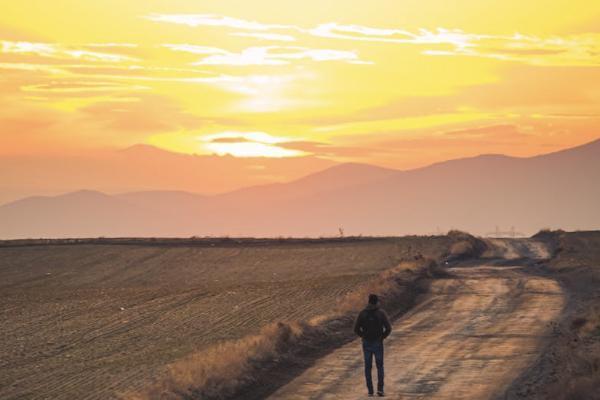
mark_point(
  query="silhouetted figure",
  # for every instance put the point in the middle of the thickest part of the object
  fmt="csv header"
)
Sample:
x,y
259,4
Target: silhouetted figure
x,y
372,325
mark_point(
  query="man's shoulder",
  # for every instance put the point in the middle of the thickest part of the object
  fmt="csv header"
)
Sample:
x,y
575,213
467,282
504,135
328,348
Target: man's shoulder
x,y
364,313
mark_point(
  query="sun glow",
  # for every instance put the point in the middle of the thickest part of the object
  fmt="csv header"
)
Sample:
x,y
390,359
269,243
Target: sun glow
x,y
249,144
343,82
251,149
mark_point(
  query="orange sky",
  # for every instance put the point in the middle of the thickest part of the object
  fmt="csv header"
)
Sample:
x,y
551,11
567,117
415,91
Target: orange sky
x,y
395,83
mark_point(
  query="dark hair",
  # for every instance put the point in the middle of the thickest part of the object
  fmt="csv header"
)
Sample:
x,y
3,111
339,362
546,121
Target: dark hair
x,y
373,299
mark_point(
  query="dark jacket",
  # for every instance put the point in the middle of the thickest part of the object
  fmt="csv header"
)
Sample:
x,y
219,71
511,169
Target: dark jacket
x,y
362,324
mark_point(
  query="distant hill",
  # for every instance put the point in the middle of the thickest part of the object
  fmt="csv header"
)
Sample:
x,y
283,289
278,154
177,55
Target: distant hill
x,y
558,190
144,168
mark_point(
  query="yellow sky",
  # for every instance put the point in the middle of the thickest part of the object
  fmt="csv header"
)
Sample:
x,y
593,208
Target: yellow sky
x,y
387,82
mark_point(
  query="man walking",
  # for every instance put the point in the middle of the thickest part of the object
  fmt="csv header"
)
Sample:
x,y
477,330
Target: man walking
x,y
372,325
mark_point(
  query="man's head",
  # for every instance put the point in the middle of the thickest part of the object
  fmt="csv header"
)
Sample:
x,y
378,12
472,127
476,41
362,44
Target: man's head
x,y
373,299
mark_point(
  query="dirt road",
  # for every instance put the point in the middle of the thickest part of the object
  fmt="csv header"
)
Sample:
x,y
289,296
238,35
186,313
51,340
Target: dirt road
x,y
472,336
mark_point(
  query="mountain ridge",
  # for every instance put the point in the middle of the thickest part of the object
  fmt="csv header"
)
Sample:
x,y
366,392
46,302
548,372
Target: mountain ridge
x,y
553,190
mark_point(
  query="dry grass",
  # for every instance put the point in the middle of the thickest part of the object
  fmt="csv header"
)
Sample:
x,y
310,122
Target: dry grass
x,y
221,370
224,370
465,246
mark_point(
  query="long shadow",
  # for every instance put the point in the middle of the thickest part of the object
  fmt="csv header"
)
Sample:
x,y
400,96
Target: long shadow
x,y
497,262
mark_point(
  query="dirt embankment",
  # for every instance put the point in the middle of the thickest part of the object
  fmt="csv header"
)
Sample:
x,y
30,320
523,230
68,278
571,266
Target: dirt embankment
x,y
569,369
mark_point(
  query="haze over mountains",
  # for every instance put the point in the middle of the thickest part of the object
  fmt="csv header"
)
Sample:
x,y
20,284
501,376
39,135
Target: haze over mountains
x,y
557,190
143,167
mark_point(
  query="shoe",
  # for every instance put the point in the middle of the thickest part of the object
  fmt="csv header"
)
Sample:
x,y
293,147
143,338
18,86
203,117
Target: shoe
x,y
380,393
370,394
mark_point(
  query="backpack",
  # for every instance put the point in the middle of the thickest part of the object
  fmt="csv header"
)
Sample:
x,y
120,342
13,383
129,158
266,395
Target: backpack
x,y
372,325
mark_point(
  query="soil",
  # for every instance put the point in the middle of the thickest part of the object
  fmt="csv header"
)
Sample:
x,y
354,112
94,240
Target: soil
x,y
89,319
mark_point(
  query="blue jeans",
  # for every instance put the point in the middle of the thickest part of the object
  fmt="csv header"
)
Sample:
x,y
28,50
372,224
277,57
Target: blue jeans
x,y
371,349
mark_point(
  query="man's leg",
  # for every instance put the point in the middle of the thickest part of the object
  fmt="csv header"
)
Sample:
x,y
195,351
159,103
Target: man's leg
x,y
368,353
378,352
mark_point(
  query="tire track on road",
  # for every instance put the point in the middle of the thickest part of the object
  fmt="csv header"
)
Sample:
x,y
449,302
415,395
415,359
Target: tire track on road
x,y
469,339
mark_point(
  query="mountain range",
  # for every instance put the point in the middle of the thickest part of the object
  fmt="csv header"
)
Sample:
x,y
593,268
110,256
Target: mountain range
x,y
556,190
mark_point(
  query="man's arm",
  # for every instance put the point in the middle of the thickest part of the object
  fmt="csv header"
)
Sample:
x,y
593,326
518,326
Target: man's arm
x,y
387,327
358,325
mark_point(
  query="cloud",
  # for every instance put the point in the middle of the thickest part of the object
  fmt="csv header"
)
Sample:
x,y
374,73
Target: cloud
x,y
229,140
454,37
143,114
523,88
250,85
569,50
260,137
405,149
578,49
195,49
251,149
249,144
195,20
298,147
32,67
97,56
68,78
33,78
266,36
81,87
474,138
501,133
265,55
114,45
524,51
321,149
48,50
552,51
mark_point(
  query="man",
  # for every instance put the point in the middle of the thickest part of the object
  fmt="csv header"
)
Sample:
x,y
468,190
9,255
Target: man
x,y
372,325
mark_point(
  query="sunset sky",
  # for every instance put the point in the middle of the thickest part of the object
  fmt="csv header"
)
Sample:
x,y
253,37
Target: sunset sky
x,y
388,82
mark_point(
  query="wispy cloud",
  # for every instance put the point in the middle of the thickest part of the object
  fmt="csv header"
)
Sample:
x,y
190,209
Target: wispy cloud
x,y
250,85
265,55
582,49
96,56
195,49
115,45
570,50
454,37
196,20
32,67
277,37
50,50
258,136
81,87
249,144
